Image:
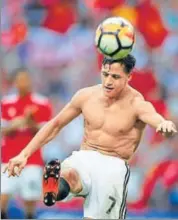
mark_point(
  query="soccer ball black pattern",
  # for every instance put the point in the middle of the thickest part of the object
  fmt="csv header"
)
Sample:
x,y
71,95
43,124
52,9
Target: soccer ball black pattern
x,y
115,37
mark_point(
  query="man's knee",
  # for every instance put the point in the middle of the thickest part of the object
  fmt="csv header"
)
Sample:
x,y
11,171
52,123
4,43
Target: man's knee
x,y
70,174
69,181
73,179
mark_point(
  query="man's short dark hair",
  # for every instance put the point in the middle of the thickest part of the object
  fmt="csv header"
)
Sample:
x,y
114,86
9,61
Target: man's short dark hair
x,y
129,62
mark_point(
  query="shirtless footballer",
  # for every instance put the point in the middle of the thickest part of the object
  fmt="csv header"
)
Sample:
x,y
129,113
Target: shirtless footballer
x,y
115,116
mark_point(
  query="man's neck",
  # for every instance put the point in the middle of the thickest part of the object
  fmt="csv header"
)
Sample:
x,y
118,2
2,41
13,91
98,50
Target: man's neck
x,y
23,93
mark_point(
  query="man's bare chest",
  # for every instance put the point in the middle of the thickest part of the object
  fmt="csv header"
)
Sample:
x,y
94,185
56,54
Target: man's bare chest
x,y
113,119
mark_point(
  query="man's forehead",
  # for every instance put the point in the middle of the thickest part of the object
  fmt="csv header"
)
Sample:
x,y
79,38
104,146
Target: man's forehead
x,y
112,68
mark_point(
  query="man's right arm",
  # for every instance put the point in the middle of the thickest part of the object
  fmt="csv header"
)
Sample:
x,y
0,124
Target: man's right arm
x,y
47,133
51,129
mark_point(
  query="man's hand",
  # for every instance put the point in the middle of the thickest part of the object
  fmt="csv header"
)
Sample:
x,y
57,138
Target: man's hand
x,y
30,122
167,128
29,112
15,165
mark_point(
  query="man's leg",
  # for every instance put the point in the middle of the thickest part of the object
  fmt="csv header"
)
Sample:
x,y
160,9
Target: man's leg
x,y
30,207
30,188
8,187
4,204
57,184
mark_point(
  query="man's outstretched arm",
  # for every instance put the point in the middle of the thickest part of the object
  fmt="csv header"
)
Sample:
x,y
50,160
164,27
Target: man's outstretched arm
x,y
147,113
46,133
51,129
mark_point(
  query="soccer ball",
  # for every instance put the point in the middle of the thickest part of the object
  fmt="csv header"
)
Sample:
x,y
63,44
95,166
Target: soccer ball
x,y
115,37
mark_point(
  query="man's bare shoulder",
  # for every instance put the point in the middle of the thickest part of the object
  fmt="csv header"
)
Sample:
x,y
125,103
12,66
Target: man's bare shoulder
x,y
139,103
136,95
87,91
84,94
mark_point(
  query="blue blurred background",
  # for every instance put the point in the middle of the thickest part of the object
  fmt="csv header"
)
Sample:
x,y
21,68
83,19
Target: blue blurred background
x,y
55,40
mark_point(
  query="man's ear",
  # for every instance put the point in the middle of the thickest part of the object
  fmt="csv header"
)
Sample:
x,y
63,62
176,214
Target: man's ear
x,y
130,77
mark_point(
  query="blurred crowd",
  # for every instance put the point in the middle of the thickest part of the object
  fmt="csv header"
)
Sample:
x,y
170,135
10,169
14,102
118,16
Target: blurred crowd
x,y
54,39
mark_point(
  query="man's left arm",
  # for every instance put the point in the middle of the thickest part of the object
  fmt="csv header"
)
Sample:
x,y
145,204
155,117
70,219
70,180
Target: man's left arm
x,y
147,113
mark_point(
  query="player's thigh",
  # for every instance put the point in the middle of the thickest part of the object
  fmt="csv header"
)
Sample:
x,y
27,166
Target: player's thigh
x,y
107,198
102,203
9,186
31,183
76,162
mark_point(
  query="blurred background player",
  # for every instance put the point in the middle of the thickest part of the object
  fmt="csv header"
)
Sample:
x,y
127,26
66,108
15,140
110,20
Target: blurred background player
x,y
23,114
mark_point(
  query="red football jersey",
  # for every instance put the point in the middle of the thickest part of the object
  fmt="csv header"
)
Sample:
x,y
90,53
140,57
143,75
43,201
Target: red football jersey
x,y
13,106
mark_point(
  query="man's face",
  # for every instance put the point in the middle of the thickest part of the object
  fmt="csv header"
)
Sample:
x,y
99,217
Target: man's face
x,y
114,79
23,82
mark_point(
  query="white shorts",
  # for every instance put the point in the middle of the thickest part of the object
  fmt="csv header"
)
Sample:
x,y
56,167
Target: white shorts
x,y
104,180
28,185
